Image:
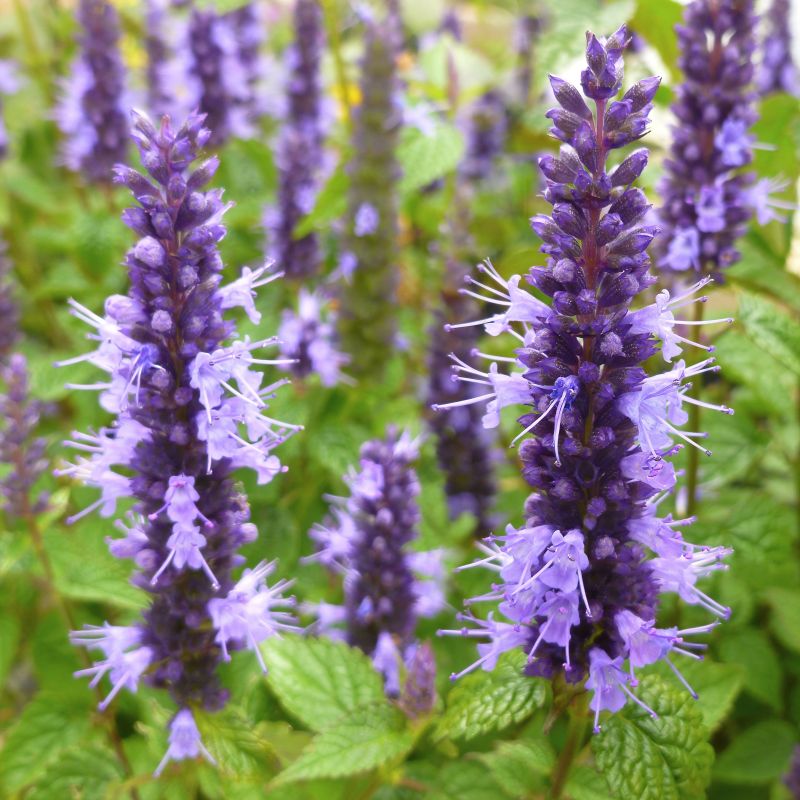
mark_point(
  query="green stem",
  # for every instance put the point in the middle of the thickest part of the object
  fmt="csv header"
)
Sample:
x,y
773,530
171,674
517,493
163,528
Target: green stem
x,y
578,722
693,456
36,61
335,40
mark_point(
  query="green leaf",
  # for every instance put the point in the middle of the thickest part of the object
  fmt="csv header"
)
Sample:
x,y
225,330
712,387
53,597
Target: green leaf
x,y
85,570
785,619
425,158
584,783
86,773
489,701
239,747
362,741
320,681
668,758
9,639
464,780
753,650
519,766
717,686
772,329
49,724
658,20
757,755
331,203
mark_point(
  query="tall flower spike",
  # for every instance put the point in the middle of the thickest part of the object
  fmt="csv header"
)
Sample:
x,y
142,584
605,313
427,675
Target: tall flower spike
x,y
707,188
300,148
9,84
486,129
221,85
92,111
574,585
463,445
367,319
190,409
386,587
777,71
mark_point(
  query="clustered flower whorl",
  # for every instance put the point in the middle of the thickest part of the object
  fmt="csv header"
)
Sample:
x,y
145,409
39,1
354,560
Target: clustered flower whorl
x,y
92,112
708,199
777,71
463,446
486,130
578,593
300,149
308,339
20,448
221,83
367,321
366,540
188,411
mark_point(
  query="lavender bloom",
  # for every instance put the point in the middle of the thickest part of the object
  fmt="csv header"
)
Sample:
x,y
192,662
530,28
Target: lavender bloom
x,y
367,320
92,110
706,195
419,690
9,84
366,540
300,151
248,30
574,584
792,777
221,82
463,447
20,448
486,131
166,90
308,339
184,741
188,409
777,72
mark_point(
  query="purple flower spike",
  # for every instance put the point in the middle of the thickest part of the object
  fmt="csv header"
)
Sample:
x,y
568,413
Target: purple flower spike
x,y
574,586
92,112
300,148
367,321
386,587
707,186
777,72
189,408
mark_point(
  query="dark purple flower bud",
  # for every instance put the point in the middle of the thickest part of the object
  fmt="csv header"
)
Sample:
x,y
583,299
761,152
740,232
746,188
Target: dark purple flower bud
x,y
642,93
630,168
777,72
569,97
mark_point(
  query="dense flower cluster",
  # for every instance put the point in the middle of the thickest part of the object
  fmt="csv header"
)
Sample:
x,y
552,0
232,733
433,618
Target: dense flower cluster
x,y
777,71
387,587
486,129
20,447
463,445
708,198
300,149
575,586
189,409
9,83
222,88
92,112
367,321
163,70
308,340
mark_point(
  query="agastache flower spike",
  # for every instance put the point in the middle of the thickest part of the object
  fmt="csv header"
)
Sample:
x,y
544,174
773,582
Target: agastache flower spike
x,y
189,409
777,71
92,111
367,317
575,584
709,193
387,587
300,154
